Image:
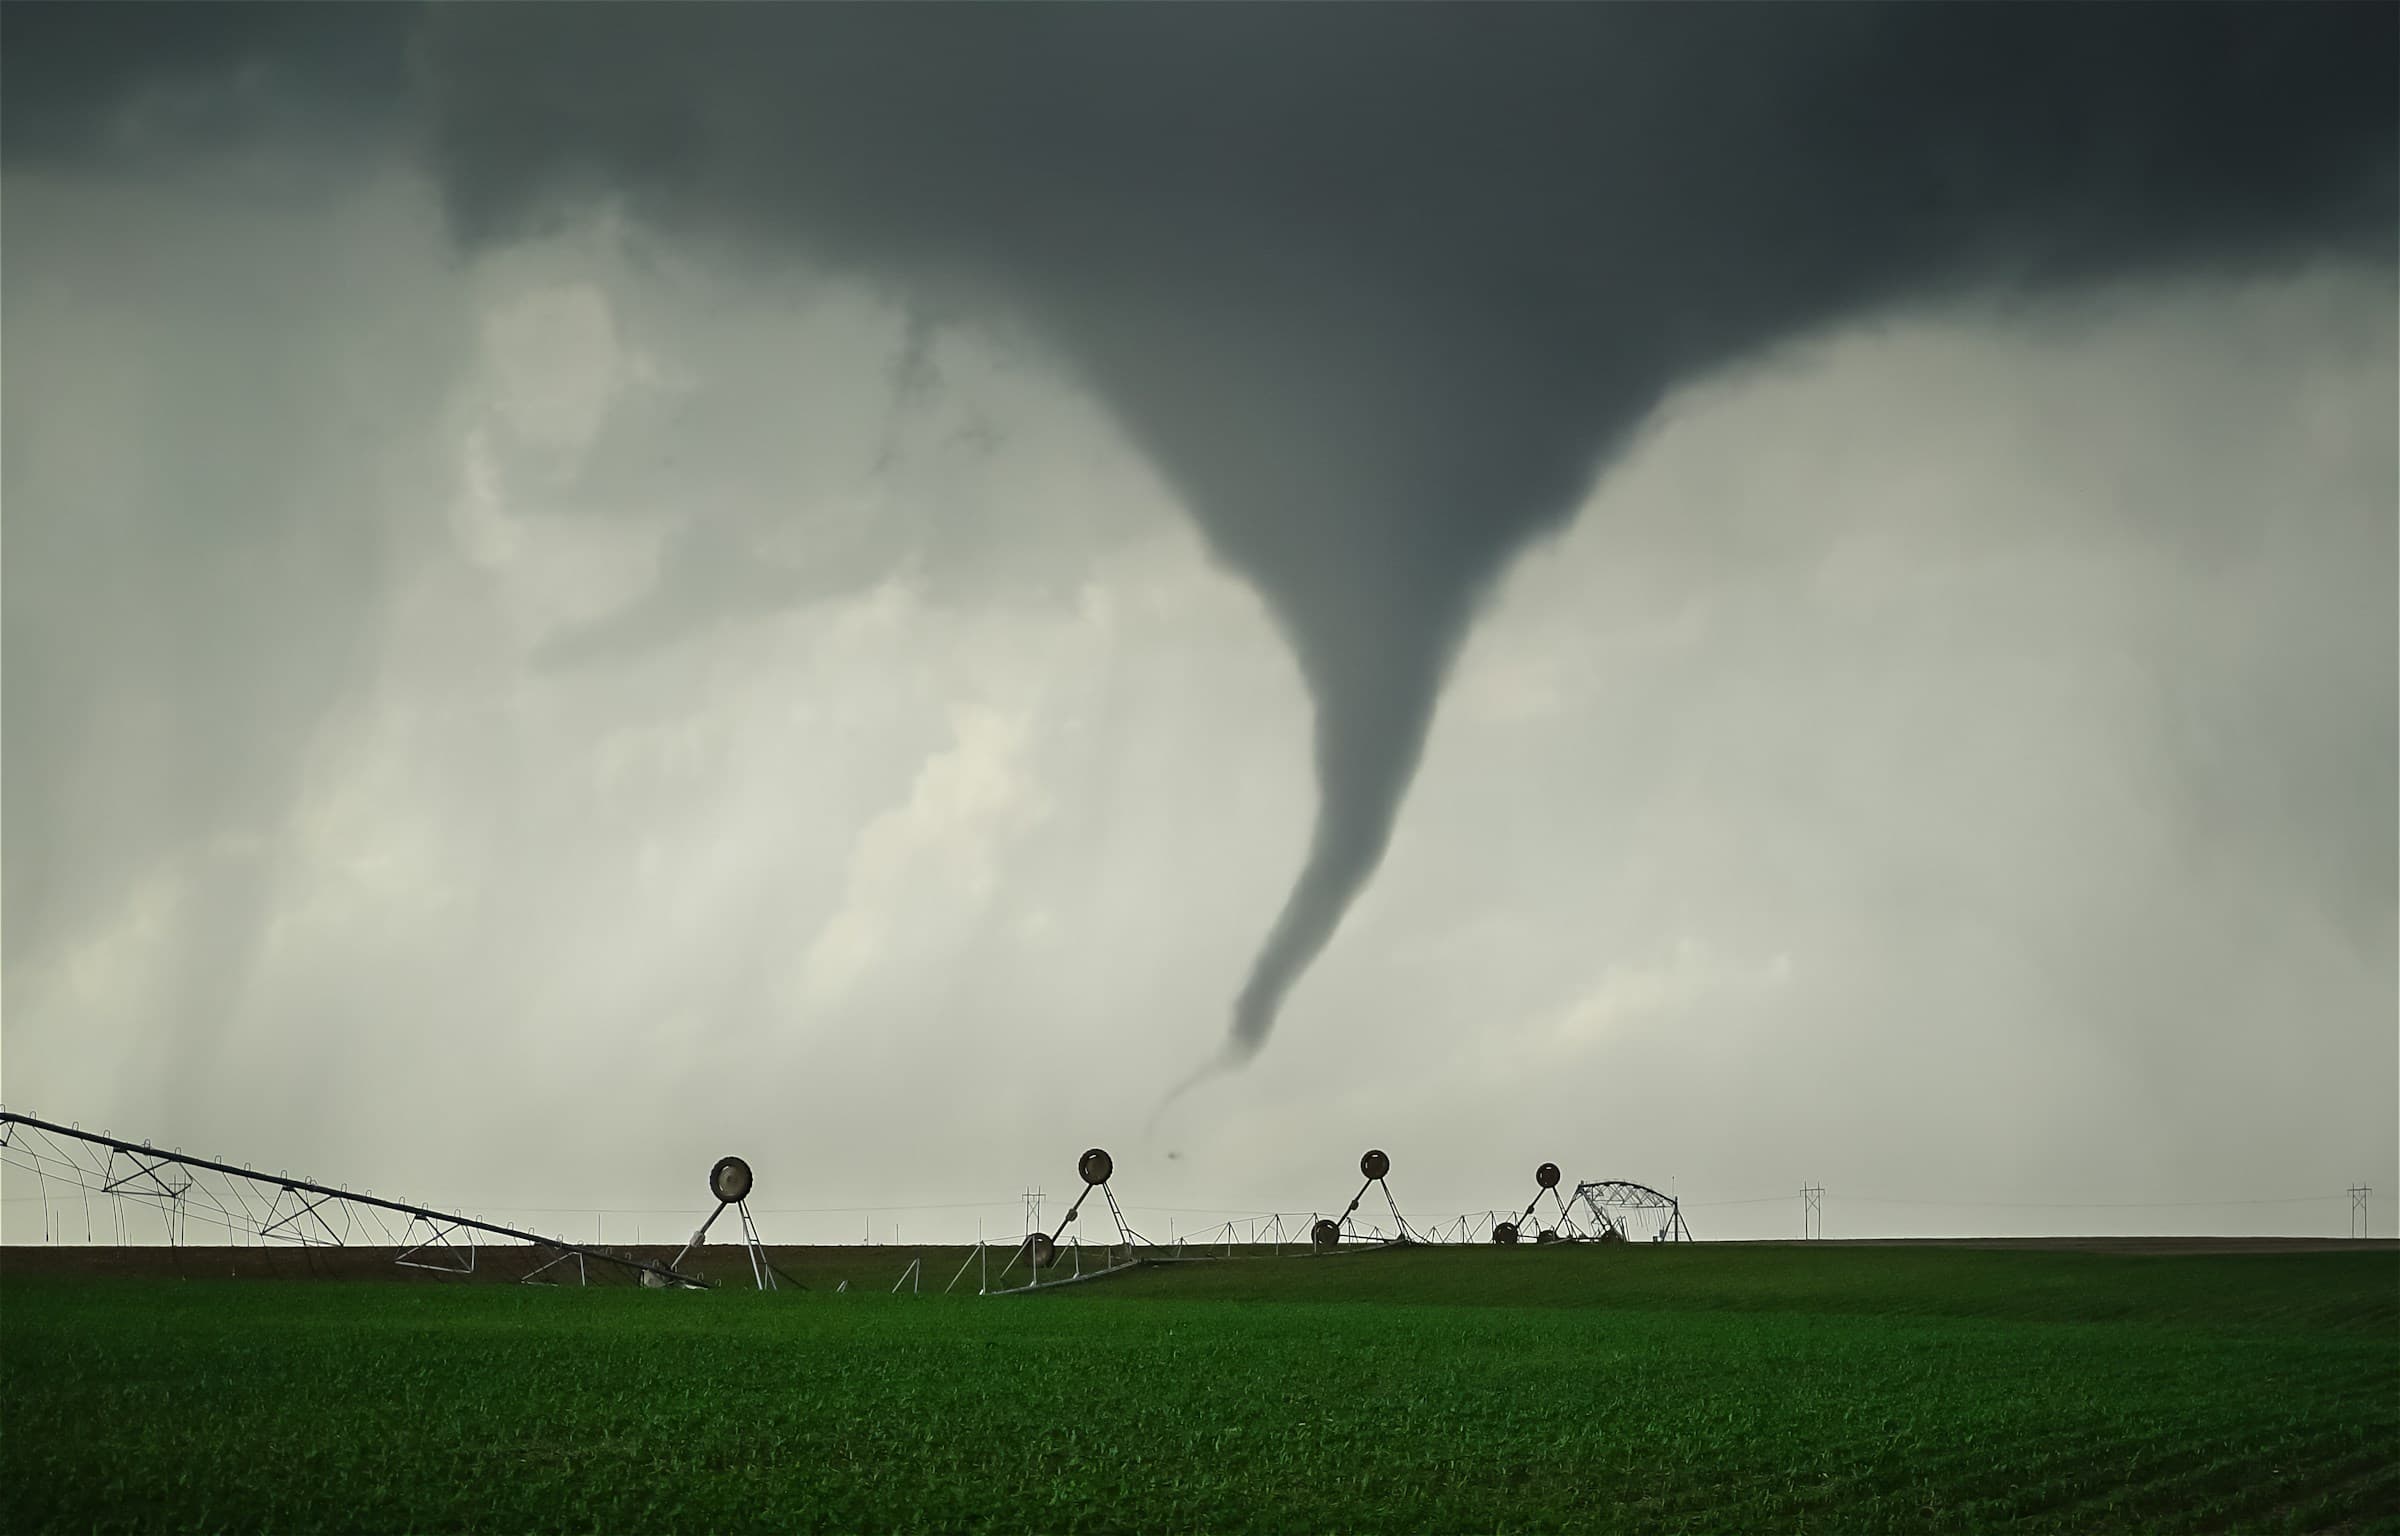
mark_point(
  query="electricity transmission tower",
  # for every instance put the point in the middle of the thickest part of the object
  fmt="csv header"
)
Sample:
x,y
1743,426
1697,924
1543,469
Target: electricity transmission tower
x,y
1812,1211
2358,1209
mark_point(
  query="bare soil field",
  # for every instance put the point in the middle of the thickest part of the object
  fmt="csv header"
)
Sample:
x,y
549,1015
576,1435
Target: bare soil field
x,y
500,1262
2134,1245
879,1267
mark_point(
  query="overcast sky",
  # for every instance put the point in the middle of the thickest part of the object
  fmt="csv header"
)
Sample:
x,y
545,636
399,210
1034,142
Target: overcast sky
x,y
567,619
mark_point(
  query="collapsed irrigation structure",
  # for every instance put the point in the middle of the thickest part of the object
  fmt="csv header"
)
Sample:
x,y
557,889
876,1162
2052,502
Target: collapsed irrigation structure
x,y
1053,1250
1622,1209
1545,1180
1375,1165
730,1182
251,1206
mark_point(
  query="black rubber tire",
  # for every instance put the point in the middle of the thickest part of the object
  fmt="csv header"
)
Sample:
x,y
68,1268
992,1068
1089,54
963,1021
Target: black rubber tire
x,y
729,1181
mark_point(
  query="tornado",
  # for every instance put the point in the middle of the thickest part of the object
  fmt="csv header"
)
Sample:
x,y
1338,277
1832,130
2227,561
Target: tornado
x,y
1381,289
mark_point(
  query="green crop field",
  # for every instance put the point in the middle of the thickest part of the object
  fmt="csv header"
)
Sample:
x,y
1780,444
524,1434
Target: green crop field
x,y
1703,1388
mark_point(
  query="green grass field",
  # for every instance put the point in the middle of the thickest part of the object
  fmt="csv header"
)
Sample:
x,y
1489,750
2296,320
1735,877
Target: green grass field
x,y
1703,1388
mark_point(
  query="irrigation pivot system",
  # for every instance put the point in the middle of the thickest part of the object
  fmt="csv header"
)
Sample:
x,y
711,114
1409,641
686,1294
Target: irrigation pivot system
x,y
1545,1180
277,1208
249,1205
1375,1165
1621,1209
729,1181
1095,1168
1040,1250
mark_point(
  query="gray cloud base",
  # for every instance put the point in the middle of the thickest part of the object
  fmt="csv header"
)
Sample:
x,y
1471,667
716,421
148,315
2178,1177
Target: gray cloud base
x,y
1380,290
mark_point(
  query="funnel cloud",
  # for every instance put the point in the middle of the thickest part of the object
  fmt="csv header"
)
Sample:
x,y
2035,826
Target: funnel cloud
x,y
1381,291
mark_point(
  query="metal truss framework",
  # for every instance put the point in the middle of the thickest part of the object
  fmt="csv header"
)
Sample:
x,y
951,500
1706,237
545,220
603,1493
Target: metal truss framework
x,y
1375,1164
762,1270
1545,1179
1041,1250
248,1205
1604,1198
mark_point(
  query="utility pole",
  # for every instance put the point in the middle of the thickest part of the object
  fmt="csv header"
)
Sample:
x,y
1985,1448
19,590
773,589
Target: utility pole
x,y
2358,1209
1812,1211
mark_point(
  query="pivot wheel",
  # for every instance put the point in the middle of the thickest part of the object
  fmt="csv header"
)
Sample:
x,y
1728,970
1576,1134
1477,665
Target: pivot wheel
x,y
729,1181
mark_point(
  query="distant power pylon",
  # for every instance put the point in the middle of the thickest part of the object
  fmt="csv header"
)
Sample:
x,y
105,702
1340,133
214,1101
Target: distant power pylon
x,y
1033,1210
1812,1211
2358,1209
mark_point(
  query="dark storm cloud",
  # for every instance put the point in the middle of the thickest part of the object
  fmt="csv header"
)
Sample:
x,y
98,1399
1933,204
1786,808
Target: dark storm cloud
x,y
1381,289
86,83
